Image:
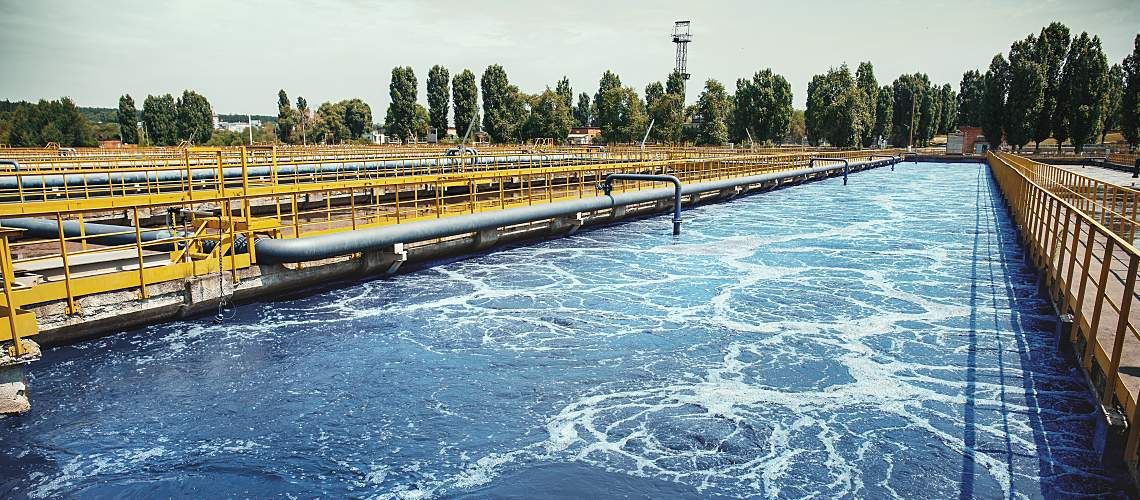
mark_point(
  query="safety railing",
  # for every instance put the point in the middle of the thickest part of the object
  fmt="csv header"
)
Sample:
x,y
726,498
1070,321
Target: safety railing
x,y
185,238
1111,205
1091,271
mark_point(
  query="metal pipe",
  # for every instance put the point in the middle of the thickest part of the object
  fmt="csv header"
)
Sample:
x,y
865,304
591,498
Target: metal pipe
x,y
872,158
86,180
607,186
846,165
337,244
270,250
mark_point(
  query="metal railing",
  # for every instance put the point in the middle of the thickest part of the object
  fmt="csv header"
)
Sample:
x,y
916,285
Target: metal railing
x,y
1089,268
1111,205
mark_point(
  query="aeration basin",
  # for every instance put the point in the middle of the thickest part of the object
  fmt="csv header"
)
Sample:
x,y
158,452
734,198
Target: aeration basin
x,y
883,339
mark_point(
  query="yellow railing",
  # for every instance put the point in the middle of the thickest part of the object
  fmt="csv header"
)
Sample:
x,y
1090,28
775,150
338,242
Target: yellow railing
x,y
254,208
1090,269
1111,205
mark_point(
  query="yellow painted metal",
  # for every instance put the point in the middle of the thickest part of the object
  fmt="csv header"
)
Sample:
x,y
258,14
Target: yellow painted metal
x,y
396,198
1090,267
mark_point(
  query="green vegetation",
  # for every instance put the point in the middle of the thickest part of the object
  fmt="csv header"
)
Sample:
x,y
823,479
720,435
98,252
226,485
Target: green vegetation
x,y
762,108
128,118
582,113
713,106
465,96
504,106
836,109
160,120
400,121
1130,100
437,94
1053,85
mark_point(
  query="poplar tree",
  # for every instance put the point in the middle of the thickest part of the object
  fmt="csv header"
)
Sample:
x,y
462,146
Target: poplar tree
x,y
713,107
1130,101
195,117
582,110
970,94
159,117
1026,94
400,119
437,94
285,118
465,97
128,120
993,101
1087,87
1052,48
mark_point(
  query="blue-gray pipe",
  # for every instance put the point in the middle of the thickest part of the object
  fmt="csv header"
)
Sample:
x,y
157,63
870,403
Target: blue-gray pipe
x,y
846,165
326,246
80,180
607,186
337,244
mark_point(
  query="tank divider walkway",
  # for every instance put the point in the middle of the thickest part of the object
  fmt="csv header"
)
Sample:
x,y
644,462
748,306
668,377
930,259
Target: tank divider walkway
x,y
1090,271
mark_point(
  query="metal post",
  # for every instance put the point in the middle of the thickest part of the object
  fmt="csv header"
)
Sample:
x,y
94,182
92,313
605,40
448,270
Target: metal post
x,y
9,298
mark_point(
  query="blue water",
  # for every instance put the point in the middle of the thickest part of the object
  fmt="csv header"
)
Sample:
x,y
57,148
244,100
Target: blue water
x,y
883,339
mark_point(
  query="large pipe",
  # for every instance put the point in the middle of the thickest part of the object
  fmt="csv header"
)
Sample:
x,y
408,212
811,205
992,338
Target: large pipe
x,y
846,165
607,187
99,234
337,244
79,180
326,246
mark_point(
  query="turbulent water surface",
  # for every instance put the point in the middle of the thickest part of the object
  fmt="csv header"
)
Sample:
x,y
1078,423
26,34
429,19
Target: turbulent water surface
x,y
882,339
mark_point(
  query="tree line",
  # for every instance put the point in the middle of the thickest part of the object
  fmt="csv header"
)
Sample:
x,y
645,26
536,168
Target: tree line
x,y
1053,85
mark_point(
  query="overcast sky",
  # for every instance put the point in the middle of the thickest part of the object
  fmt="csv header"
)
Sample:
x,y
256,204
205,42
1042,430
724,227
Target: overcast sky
x,y
239,53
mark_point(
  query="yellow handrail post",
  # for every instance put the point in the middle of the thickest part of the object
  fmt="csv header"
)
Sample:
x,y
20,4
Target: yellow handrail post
x,y
138,250
8,274
71,309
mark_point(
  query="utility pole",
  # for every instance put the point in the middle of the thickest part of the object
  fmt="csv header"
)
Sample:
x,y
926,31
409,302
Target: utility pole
x,y
249,120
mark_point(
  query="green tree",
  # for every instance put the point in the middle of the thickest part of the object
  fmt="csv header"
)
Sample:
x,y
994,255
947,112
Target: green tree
x,y
970,93
582,110
762,108
993,113
357,117
797,128
1130,101
908,91
668,115
1026,93
50,121
437,94
1112,100
652,92
465,96
328,124
884,113
286,118
504,106
607,108
565,92
304,118
128,118
869,94
675,84
1052,49
549,116
835,109
713,108
1088,84
949,109
160,120
401,115
195,117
